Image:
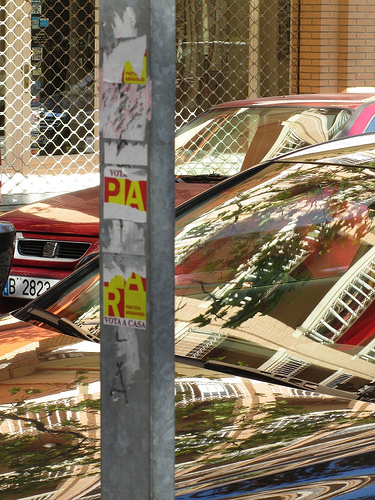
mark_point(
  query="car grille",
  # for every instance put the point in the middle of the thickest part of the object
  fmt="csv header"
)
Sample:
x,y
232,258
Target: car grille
x,y
48,121
50,249
52,123
45,123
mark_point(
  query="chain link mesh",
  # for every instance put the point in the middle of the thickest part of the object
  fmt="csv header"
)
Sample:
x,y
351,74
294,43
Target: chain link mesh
x,y
233,50
49,102
49,72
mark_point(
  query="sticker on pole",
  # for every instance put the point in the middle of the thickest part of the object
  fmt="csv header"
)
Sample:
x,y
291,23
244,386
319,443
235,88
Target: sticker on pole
x,y
130,76
125,194
125,301
126,62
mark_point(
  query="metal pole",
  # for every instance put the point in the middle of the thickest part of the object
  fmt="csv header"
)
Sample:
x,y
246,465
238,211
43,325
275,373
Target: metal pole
x,y
137,53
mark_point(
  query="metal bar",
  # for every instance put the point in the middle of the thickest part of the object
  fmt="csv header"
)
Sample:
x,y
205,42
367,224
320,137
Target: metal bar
x,y
345,305
336,315
366,275
137,54
353,298
330,328
364,284
359,289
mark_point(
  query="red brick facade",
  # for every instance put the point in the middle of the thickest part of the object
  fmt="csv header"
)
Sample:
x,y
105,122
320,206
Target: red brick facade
x,y
336,45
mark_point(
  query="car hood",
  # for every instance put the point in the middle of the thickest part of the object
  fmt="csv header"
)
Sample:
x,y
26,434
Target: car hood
x,y
236,438
78,212
70,213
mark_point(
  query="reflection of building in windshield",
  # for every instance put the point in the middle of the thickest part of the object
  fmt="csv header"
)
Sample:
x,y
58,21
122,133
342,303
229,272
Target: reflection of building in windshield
x,y
261,431
49,414
225,141
305,129
201,389
278,259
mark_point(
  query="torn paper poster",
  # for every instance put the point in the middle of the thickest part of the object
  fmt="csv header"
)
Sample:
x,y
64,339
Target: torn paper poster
x,y
129,56
125,194
124,293
125,27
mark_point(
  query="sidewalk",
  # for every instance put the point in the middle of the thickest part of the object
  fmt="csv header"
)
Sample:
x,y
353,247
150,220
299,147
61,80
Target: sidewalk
x,y
20,190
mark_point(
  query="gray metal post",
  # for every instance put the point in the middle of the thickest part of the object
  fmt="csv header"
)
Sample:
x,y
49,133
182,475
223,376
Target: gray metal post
x,y
137,53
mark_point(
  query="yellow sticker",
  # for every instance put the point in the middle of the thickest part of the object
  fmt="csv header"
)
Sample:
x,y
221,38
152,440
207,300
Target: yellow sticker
x,y
129,75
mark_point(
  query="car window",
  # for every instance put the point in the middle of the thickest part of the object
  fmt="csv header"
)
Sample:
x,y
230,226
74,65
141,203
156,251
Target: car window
x,y
285,255
224,141
371,126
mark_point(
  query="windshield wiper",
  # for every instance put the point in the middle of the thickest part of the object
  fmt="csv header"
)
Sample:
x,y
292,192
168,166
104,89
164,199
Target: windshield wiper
x,y
64,325
201,178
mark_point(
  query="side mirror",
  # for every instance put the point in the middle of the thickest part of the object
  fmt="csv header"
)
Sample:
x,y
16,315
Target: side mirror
x,y
7,242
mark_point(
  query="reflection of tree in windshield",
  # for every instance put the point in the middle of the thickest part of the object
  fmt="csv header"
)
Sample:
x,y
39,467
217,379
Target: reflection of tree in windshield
x,y
307,224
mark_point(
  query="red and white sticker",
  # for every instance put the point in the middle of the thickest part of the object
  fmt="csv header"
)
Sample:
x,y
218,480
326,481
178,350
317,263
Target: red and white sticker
x,y
125,194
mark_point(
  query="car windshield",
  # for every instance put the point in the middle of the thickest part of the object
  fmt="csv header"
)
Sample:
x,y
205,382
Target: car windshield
x,y
224,141
278,264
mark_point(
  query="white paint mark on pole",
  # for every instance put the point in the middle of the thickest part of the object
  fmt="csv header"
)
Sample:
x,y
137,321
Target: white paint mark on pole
x,y
125,233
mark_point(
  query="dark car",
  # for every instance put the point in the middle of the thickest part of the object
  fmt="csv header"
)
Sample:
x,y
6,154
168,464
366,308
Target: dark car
x,y
65,121
236,437
53,234
275,328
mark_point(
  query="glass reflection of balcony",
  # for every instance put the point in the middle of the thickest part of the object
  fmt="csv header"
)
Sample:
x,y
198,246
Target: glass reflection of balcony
x,y
345,302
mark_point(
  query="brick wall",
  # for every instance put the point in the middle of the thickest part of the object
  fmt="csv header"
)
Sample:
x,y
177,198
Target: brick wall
x,y
336,45
310,43
361,54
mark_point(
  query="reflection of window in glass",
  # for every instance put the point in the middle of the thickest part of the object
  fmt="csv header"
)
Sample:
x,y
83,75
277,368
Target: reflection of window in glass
x,y
226,141
350,298
307,128
199,389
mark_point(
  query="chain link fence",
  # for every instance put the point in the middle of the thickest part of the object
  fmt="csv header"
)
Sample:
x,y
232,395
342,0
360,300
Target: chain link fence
x,y
49,97
49,73
234,50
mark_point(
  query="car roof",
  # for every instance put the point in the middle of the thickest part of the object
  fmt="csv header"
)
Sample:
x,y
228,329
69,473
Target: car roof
x,y
339,151
346,100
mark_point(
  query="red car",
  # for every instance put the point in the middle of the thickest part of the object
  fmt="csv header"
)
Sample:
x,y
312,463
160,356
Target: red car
x,y
54,234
